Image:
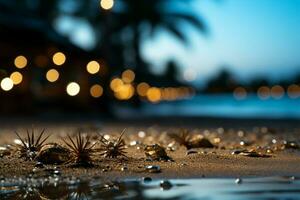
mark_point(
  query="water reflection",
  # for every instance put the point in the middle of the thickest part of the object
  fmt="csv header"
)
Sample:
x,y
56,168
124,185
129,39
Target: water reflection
x,y
96,188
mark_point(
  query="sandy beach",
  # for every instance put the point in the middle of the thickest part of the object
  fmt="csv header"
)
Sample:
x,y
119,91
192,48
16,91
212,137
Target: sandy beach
x,y
200,162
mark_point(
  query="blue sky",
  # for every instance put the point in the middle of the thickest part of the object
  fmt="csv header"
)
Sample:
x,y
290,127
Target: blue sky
x,y
251,37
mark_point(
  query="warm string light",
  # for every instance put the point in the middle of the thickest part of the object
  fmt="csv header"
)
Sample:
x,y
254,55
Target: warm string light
x,y
59,58
293,91
128,76
123,87
16,78
107,4
240,93
122,90
52,75
96,91
73,89
93,67
142,89
154,94
20,61
264,92
6,84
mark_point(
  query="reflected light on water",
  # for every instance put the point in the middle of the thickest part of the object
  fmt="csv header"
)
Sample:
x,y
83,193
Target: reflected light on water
x,y
263,93
277,92
293,91
240,93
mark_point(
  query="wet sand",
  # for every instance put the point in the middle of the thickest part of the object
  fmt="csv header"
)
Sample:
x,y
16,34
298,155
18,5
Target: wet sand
x,y
215,162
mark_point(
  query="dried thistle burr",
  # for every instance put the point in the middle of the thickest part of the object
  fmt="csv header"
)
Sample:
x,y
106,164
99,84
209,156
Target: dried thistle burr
x,y
184,138
81,150
114,148
29,147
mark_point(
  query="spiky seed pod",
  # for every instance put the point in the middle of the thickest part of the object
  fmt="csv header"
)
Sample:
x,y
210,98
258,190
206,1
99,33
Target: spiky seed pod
x,y
29,147
183,138
81,150
112,149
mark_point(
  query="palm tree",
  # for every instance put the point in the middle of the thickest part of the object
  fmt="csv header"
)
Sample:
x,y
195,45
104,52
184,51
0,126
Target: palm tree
x,y
143,18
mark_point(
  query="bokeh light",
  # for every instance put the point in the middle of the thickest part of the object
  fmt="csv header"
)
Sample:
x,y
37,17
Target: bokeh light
x,y
293,91
263,93
7,84
115,84
93,67
16,77
240,93
154,95
20,61
128,76
124,92
59,58
106,4
52,75
73,89
277,92
96,91
142,89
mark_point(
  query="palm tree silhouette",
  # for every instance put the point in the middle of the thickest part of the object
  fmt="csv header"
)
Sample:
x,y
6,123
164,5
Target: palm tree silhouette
x,y
143,18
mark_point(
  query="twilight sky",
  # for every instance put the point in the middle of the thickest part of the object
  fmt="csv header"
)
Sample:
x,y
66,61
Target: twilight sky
x,y
251,37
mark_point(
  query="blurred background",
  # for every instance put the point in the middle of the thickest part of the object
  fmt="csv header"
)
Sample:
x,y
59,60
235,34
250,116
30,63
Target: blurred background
x,y
129,58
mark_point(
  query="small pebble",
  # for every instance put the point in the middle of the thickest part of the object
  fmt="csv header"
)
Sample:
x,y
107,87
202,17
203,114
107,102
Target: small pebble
x,y
238,181
147,179
153,168
124,168
141,134
39,165
165,185
56,172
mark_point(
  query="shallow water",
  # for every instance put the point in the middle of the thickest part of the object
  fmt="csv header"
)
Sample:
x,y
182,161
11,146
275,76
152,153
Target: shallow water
x,y
56,187
225,105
